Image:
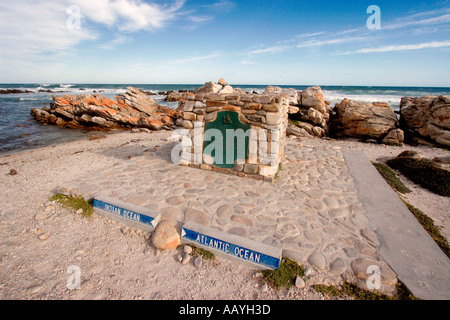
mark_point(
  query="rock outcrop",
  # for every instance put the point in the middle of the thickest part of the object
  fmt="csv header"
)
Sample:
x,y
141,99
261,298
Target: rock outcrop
x,y
14,91
175,96
292,93
364,120
427,118
311,113
394,137
313,97
133,109
212,87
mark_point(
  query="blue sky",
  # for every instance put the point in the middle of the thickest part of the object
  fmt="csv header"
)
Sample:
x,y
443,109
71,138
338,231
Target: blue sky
x,y
245,42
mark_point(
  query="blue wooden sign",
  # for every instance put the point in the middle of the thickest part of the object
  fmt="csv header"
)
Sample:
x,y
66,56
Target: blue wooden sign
x,y
255,253
126,212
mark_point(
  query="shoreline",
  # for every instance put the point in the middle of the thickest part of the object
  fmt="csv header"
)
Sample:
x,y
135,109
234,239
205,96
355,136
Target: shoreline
x,y
86,136
19,131
33,268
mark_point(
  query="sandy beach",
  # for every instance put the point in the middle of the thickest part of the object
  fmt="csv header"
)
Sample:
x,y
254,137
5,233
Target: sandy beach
x,y
118,263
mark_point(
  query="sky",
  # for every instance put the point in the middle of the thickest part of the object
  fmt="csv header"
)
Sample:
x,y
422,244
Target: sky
x,y
294,42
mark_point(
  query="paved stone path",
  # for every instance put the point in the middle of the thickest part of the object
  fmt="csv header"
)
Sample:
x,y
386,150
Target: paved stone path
x,y
312,211
405,245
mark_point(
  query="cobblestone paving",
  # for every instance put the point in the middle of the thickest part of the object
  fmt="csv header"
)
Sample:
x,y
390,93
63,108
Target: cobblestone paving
x,y
311,211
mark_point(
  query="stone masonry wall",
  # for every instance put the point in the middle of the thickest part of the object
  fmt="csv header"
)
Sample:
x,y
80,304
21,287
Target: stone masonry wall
x,y
266,117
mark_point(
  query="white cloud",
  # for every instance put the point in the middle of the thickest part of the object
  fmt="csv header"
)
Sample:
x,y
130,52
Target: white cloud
x,y
30,29
99,11
269,50
408,47
129,15
197,58
248,62
307,35
37,34
318,43
443,19
119,40
200,19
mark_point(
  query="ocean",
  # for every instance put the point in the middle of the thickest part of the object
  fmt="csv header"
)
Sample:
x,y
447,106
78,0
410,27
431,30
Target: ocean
x,y
19,132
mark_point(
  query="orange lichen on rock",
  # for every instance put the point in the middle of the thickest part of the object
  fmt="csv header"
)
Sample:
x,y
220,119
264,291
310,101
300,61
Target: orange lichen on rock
x,y
132,109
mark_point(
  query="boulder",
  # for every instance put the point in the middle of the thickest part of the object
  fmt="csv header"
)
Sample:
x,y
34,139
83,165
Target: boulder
x,y
426,117
222,82
227,89
293,130
239,91
364,120
315,116
166,236
209,87
394,137
311,108
133,109
14,91
292,93
312,97
40,115
175,96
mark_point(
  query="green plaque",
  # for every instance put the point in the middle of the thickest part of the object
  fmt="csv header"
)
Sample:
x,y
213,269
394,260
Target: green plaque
x,y
226,139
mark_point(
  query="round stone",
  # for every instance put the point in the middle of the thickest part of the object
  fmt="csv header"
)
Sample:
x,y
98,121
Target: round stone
x,y
338,266
187,249
166,236
331,203
198,262
317,260
300,283
186,258
224,212
175,200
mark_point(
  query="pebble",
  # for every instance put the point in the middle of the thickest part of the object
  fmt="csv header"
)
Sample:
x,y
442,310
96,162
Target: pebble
x,y
300,283
79,211
79,252
43,236
40,216
265,287
34,289
186,258
96,269
74,192
187,249
198,262
308,271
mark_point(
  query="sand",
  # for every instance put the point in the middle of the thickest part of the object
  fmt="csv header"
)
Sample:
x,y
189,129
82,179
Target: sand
x,y
36,252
